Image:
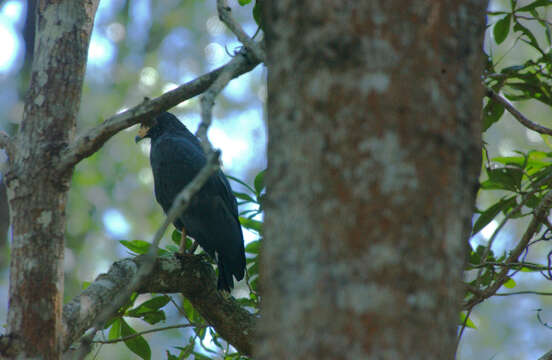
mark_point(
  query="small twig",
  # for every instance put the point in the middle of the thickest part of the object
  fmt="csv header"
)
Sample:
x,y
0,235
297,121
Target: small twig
x,y
208,100
511,265
539,214
148,332
224,16
528,292
503,222
463,327
518,115
533,19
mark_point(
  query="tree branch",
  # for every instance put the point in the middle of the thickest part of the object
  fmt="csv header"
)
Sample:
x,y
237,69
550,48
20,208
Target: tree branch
x,y
188,274
540,213
208,98
518,115
149,331
224,16
93,139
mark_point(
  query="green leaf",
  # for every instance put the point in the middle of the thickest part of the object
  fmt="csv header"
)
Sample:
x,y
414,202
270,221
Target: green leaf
x,y
244,196
156,302
154,317
253,283
508,177
149,310
510,283
198,356
243,2
137,345
136,246
502,28
115,330
259,182
490,213
469,323
253,247
241,182
251,224
176,236
492,112
140,247
85,285
253,269
532,40
200,332
534,4
190,312
257,14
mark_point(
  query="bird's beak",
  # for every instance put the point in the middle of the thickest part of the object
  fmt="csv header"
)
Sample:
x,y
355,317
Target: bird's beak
x,y
142,132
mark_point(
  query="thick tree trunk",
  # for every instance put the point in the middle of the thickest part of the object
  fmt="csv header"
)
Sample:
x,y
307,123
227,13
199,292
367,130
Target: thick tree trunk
x,y
374,150
36,191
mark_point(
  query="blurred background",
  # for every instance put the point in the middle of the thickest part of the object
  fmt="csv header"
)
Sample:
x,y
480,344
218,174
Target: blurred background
x,y
138,48
143,48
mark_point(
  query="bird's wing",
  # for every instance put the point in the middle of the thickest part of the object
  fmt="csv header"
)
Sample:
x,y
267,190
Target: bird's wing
x,y
175,161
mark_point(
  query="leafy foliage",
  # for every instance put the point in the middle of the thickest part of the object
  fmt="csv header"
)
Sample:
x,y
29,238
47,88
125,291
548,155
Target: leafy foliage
x,y
517,184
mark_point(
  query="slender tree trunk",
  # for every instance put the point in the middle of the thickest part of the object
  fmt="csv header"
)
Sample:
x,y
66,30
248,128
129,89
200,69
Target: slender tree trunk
x,y
374,150
37,193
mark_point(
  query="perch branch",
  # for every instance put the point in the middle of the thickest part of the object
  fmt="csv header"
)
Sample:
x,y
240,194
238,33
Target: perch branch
x,y
208,98
189,275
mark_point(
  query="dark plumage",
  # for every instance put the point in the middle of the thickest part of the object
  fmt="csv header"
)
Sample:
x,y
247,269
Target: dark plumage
x,y
176,157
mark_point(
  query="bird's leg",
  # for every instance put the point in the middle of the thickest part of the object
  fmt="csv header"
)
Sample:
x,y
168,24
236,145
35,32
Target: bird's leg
x,y
194,247
182,247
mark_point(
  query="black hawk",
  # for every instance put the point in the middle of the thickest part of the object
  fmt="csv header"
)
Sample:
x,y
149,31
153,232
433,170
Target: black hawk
x,y
176,156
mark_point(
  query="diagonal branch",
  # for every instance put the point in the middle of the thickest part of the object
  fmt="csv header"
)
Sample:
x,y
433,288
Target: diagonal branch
x,y
540,214
208,98
93,139
518,115
189,275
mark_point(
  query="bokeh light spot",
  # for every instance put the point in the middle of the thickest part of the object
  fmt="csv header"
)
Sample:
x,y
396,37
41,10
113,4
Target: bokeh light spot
x,y
214,53
101,50
148,76
10,46
115,222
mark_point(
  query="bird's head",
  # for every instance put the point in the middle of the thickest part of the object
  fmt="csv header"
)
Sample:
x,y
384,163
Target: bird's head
x,y
164,123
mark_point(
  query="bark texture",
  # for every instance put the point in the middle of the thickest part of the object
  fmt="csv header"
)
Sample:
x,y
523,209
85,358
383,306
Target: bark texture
x,y
373,154
36,191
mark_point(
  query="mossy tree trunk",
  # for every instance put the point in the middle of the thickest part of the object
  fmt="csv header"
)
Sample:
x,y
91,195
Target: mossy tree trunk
x,y
37,191
373,156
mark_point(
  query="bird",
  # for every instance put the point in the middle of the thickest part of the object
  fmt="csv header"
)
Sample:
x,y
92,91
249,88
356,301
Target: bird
x,y
211,219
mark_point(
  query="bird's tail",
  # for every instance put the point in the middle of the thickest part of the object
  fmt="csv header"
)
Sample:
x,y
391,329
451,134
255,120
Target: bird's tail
x,y
225,278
